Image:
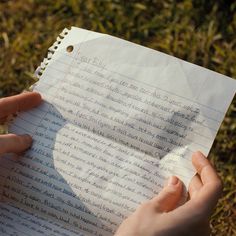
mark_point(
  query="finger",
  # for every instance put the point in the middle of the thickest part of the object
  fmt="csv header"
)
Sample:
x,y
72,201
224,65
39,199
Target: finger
x,y
194,186
204,168
212,186
208,195
21,102
11,143
170,195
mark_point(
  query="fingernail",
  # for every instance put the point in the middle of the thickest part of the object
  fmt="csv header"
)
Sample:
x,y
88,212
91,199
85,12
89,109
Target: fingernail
x,y
173,180
27,138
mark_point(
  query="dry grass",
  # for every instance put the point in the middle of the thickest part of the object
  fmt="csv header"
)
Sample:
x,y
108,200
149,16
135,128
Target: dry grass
x,y
199,31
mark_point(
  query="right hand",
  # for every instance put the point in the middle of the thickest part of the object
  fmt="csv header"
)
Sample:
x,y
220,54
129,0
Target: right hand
x,y
160,216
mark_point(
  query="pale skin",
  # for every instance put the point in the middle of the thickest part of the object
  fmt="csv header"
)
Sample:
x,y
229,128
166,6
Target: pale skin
x,y
160,216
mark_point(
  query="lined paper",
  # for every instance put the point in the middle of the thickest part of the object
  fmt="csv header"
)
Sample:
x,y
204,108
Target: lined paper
x,y
17,222
117,120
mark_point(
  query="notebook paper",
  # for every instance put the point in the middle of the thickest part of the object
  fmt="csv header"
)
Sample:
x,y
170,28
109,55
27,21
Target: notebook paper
x,y
117,120
15,221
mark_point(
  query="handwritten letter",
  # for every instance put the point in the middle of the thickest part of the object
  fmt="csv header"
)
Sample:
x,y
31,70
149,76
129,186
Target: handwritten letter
x,y
117,120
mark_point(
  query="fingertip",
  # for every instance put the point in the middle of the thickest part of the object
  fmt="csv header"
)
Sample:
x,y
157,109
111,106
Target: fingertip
x,y
197,154
30,100
26,139
13,143
173,181
199,159
38,94
37,97
175,184
170,196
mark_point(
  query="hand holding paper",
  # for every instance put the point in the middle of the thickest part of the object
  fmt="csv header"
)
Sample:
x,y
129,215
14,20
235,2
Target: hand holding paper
x,y
161,216
11,143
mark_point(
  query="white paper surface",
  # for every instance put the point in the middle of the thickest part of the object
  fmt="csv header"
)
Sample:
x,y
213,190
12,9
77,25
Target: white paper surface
x,y
117,121
17,222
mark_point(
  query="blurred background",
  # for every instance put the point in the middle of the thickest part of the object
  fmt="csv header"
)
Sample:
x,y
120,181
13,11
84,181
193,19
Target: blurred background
x,y
199,31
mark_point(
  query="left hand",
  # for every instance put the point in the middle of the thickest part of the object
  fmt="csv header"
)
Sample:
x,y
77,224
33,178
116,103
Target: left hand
x,y
12,143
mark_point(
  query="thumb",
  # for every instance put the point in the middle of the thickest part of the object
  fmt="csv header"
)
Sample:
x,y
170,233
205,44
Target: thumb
x,y
170,196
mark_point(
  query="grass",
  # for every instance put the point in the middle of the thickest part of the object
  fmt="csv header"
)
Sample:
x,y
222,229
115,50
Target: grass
x,y
199,31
